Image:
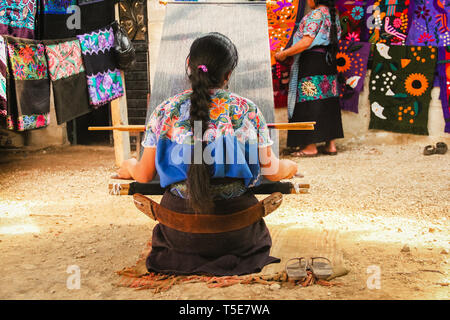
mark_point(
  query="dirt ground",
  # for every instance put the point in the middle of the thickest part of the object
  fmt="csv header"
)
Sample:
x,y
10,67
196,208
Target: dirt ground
x,y
55,212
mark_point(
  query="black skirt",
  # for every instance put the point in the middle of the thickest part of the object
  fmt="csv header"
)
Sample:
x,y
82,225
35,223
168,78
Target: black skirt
x,y
321,107
236,252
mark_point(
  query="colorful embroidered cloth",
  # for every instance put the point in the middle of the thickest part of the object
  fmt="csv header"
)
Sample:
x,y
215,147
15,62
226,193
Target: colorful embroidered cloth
x,y
352,16
29,86
3,75
237,128
430,25
56,20
283,19
315,24
444,75
90,17
66,70
17,18
388,21
400,86
103,78
352,67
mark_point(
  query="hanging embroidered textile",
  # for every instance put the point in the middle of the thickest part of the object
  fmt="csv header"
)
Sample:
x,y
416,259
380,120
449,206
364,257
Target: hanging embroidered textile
x,y
90,17
400,87
444,75
103,77
283,19
3,69
430,25
55,19
351,62
352,16
17,18
66,70
29,86
388,21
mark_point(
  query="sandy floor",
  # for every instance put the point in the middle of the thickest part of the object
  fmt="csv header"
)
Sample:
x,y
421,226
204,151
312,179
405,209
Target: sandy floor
x,y
55,212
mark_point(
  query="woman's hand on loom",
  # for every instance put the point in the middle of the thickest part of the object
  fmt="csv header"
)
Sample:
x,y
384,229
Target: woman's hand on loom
x,y
124,172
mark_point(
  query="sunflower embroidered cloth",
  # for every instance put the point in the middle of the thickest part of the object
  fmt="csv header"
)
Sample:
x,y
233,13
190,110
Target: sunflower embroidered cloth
x,y
388,21
430,25
28,85
351,61
283,19
66,70
236,129
444,75
352,16
103,77
400,86
17,18
3,76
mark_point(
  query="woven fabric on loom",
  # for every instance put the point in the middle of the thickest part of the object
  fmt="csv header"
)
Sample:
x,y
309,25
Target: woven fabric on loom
x,y
400,87
103,77
444,75
352,16
388,21
66,71
430,25
3,69
352,67
53,18
29,86
283,19
17,18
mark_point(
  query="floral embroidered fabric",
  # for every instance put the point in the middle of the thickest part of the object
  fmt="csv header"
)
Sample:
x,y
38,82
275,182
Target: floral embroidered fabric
x,y
444,75
317,87
96,42
28,61
17,18
28,122
3,75
105,86
236,128
57,6
400,88
64,59
430,24
352,17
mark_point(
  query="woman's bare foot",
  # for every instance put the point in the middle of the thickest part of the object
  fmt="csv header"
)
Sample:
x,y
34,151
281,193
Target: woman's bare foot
x,y
309,151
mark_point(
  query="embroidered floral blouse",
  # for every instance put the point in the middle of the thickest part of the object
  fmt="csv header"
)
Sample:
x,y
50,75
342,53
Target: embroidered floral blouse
x,y
236,129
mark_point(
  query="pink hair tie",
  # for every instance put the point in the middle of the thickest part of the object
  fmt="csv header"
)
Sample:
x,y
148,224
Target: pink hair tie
x,y
203,68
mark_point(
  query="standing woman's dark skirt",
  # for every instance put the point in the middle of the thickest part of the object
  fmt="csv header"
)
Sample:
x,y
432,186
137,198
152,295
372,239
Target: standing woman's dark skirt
x,y
237,252
317,100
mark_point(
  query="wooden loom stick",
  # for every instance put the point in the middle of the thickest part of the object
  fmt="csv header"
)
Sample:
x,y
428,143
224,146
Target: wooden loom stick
x,y
279,126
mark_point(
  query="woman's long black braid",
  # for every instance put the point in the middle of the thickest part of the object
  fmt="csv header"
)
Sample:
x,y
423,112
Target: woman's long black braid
x,y
219,56
333,47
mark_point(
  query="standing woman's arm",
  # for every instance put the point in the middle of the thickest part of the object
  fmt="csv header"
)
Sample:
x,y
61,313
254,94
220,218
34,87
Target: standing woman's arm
x,y
297,48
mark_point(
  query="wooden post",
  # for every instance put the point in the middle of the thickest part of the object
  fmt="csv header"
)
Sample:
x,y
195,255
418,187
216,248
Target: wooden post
x,y
119,116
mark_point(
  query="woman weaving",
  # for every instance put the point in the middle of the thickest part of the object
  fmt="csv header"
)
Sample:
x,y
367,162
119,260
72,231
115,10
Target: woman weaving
x,y
226,126
313,92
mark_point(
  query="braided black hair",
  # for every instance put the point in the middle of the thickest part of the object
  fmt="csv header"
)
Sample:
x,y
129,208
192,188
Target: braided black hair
x,y
211,60
334,40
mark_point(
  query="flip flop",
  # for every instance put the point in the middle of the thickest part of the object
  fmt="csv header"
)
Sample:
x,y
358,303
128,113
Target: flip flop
x,y
429,150
321,269
322,149
441,148
296,270
302,154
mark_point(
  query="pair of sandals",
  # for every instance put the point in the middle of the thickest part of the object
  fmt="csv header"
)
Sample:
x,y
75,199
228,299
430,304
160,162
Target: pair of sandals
x,y
320,150
297,268
441,148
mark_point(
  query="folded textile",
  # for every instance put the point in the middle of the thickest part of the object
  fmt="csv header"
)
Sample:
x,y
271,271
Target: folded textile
x,y
54,19
352,17
352,67
17,18
103,77
3,69
66,70
387,21
444,75
400,88
29,86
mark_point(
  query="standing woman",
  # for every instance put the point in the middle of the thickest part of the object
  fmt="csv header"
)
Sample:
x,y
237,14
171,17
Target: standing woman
x,y
313,93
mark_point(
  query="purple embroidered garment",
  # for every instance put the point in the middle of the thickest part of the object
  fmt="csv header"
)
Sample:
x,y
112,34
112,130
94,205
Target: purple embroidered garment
x,y
103,77
444,75
3,77
352,67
